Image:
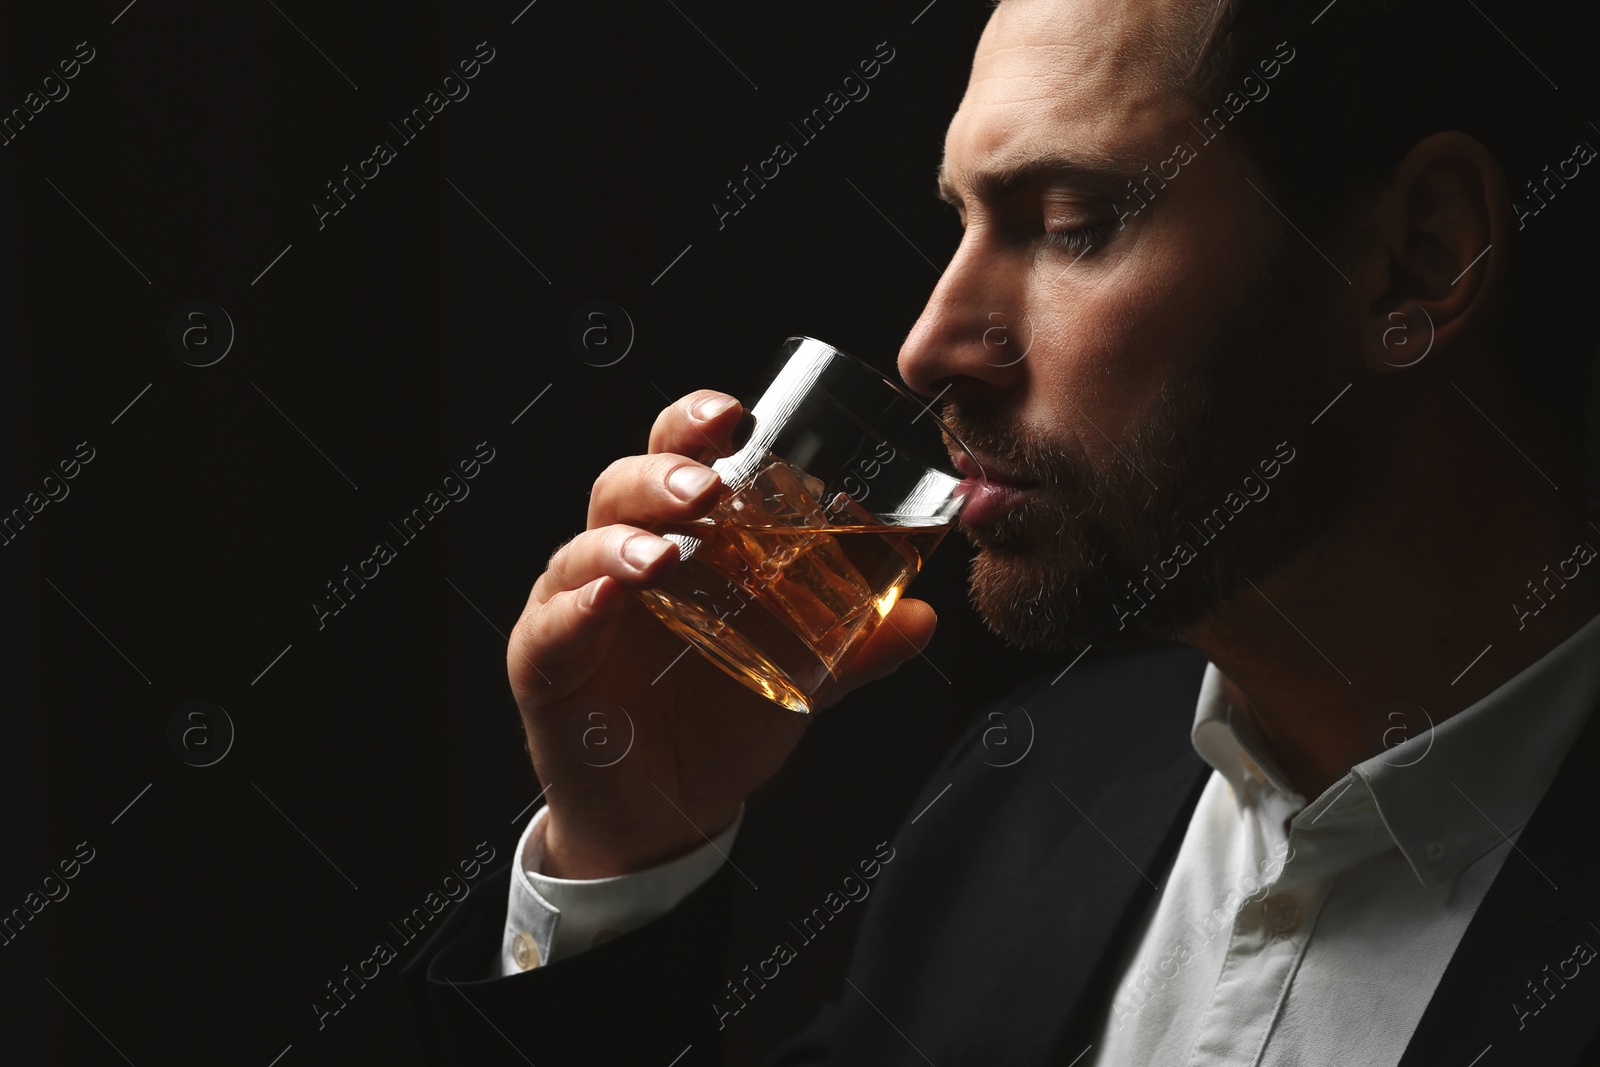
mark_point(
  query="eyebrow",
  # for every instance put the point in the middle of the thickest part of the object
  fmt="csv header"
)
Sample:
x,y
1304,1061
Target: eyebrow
x,y
994,182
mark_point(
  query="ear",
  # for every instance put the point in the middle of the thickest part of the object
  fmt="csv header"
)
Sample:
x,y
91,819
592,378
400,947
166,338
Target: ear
x,y
1434,269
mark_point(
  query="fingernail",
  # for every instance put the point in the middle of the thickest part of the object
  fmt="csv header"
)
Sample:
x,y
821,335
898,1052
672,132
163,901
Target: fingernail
x,y
712,406
686,483
641,550
591,592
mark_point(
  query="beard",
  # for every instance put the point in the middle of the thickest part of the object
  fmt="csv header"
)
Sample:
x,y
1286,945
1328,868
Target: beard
x,y
1089,557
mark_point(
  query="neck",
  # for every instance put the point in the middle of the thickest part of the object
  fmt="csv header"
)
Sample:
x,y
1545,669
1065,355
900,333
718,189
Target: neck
x,y
1422,594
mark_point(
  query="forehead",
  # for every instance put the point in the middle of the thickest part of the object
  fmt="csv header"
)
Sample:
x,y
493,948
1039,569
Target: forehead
x,y
1096,78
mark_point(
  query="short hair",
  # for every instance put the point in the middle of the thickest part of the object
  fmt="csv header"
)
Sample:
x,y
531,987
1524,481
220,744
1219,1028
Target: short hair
x,y
1371,78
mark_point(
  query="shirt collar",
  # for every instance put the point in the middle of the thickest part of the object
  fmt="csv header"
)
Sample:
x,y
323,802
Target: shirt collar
x,y
1449,794
1225,737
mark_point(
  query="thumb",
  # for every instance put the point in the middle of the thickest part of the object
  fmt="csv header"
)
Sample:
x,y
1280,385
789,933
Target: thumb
x,y
903,633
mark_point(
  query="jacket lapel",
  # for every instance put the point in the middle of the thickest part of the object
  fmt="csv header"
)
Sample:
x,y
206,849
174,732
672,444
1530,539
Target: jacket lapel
x,y
1044,864
1524,983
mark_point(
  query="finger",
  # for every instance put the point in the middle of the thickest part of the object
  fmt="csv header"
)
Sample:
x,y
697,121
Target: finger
x,y
665,487
563,627
700,423
627,554
903,634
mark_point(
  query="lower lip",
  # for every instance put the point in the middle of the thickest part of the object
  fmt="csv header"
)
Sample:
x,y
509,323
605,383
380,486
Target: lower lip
x,y
988,502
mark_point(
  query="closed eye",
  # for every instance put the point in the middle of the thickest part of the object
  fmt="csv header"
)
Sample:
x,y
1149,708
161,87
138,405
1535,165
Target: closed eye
x,y
1077,241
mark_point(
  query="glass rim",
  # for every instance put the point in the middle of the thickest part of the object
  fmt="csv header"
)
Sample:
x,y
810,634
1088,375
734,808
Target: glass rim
x,y
904,392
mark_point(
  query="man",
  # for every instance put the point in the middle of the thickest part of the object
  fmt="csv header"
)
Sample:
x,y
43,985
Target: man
x,y
1289,397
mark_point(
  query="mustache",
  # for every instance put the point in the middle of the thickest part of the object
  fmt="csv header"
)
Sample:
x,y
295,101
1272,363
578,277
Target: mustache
x,y
1023,452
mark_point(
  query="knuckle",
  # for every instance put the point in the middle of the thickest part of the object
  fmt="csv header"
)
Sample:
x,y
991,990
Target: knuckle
x,y
639,487
664,420
617,564
612,472
524,635
563,547
617,536
544,625
559,558
661,465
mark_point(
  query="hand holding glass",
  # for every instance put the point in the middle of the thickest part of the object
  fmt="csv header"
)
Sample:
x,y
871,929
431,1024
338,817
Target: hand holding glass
x,y
827,513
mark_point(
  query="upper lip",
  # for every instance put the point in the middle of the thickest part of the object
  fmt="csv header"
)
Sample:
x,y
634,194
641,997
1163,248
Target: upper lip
x,y
987,469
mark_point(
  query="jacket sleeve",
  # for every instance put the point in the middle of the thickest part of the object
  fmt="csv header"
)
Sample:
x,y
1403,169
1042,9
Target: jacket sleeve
x,y
645,997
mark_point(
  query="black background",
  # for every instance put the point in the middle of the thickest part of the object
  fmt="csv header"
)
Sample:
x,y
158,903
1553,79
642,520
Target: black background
x,y
376,353
374,753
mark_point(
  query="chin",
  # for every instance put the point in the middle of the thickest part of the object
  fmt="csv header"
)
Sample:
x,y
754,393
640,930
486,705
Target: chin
x,y
1029,602
1058,594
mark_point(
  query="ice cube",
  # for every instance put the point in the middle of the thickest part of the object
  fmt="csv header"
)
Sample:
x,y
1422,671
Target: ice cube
x,y
842,510
867,557
824,596
781,494
781,497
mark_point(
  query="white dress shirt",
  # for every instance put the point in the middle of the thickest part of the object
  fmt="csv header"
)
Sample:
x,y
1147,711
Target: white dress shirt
x,y
1323,944
1285,933
549,919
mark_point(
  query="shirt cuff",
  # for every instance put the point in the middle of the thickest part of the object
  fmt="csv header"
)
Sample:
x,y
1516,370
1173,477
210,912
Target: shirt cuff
x,y
550,919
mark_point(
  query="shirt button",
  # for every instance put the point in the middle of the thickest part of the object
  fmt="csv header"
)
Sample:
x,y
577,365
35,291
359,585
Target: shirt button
x,y
524,952
1281,914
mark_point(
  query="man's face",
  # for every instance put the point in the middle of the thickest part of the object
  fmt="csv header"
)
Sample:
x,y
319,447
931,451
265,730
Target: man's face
x,y
1132,363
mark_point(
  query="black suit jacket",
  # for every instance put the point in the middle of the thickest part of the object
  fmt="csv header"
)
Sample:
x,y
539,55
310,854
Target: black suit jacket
x,y
992,934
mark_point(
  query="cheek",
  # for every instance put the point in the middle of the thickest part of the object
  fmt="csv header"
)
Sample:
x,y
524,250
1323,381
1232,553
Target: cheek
x,y
1106,350
1112,337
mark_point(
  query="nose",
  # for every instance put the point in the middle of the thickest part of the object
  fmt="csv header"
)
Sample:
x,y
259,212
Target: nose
x,y
972,335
